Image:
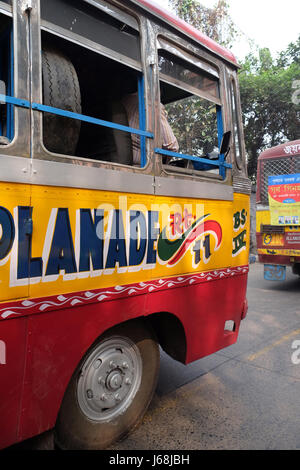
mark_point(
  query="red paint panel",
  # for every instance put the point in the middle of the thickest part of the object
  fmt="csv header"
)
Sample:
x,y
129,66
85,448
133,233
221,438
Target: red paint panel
x,y
56,302
58,340
203,310
12,359
292,240
278,259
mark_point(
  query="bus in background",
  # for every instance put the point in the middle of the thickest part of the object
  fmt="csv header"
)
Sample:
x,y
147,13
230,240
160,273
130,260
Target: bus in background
x,y
124,217
278,210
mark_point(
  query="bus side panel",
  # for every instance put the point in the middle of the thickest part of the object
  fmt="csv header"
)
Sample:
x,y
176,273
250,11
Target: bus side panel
x,y
203,310
12,360
57,341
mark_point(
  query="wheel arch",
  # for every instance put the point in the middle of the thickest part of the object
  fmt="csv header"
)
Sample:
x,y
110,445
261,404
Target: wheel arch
x,y
166,327
168,330
170,334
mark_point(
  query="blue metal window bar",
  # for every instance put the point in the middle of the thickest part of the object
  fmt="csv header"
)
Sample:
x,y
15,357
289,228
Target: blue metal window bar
x,y
142,132
220,163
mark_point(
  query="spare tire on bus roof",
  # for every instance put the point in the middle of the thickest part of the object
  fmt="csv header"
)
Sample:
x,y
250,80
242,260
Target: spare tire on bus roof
x,y
61,90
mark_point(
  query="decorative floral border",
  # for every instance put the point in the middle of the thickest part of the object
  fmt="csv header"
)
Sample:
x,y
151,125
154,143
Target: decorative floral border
x,y
56,302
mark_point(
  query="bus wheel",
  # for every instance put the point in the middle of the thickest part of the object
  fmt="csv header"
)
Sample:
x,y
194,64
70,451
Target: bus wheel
x,y
111,389
60,90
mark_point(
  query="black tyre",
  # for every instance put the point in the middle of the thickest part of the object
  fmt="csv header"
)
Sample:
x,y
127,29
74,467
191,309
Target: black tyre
x,y
60,90
110,390
296,269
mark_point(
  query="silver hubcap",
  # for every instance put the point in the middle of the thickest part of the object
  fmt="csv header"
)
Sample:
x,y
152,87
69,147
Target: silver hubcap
x,y
109,380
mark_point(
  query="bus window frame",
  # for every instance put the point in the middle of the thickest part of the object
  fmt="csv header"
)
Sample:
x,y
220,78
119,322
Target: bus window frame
x,y
205,65
89,44
19,108
153,164
236,132
42,153
9,85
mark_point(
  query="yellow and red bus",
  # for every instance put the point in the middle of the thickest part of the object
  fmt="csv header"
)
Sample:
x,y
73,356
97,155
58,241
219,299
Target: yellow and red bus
x,y
104,257
278,210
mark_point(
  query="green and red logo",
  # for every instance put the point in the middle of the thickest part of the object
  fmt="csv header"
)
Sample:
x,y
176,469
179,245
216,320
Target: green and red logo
x,y
172,251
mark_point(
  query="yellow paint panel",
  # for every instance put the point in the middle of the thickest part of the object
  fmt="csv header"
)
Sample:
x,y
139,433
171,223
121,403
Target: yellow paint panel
x,y
273,239
223,242
12,195
278,252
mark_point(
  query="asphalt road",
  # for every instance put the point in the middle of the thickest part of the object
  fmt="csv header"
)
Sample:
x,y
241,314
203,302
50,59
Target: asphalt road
x,y
246,397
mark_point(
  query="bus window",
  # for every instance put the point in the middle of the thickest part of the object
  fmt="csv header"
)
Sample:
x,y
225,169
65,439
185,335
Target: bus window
x,y
191,98
93,79
6,80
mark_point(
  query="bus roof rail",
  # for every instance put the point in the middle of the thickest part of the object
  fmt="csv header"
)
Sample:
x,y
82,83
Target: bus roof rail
x,y
188,29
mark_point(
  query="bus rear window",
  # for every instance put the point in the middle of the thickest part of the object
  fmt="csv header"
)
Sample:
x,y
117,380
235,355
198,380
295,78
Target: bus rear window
x,y
193,120
191,98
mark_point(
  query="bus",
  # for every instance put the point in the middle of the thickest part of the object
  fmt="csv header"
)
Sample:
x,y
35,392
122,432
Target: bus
x,y
124,217
278,210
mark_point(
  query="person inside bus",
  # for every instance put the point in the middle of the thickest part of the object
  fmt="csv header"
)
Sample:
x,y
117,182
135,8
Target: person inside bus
x,y
124,109
169,141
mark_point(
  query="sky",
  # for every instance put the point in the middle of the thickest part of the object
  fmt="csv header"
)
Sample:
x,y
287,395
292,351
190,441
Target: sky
x,y
270,23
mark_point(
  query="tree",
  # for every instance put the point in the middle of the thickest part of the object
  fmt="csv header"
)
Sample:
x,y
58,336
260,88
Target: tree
x,y
290,55
271,114
194,122
215,22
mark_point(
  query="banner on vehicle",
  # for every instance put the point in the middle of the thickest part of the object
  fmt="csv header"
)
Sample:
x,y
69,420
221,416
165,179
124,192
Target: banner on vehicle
x,y
284,199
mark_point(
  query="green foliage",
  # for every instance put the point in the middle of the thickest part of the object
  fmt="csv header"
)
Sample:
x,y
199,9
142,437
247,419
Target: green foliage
x,y
271,114
290,55
194,123
214,22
